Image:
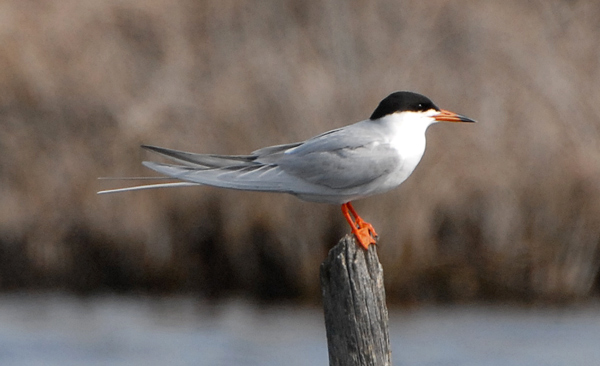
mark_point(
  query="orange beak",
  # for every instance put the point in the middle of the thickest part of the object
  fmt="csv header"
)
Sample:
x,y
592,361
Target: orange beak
x,y
447,116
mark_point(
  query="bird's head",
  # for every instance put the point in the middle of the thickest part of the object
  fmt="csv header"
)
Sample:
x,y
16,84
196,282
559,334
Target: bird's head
x,y
416,107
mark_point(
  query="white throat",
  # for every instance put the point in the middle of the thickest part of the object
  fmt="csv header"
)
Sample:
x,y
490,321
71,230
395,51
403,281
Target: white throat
x,y
407,133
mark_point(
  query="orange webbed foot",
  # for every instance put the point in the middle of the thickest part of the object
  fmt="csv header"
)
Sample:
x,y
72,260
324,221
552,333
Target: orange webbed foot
x,y
362,224
364,237
363,231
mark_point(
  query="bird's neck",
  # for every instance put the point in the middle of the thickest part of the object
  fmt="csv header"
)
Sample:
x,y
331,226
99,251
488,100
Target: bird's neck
x,y
407,136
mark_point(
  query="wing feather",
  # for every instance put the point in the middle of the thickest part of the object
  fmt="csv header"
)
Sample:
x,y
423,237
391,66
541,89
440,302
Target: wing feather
x,y
201,160
332,167
259,177
343,158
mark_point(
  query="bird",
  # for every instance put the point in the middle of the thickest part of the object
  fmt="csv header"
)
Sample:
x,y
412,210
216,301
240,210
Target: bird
x,y
339,166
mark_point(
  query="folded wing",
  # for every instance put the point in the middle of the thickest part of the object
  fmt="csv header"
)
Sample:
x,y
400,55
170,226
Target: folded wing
x,y
336,162
342,159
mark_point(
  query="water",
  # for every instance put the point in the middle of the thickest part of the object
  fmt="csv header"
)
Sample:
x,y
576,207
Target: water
x,y
64,330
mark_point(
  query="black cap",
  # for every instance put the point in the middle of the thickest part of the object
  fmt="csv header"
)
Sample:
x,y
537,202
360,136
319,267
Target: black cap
x,y
403,101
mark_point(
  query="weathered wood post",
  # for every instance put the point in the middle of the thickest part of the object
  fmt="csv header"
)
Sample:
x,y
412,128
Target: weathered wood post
x,y
356,317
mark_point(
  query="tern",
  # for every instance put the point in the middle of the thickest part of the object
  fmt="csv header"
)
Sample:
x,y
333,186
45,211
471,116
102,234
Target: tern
x,y
339,166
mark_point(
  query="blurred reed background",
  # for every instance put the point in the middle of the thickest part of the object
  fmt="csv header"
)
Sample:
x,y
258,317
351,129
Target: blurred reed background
x,y
508,209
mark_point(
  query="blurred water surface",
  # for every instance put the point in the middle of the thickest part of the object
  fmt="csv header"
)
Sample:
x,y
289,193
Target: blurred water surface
x,y
54,329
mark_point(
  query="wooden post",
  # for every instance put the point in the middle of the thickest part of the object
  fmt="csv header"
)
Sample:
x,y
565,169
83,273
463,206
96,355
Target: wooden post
x,y
356,317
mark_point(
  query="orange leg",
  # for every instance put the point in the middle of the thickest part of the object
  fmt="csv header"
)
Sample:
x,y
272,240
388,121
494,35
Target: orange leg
x,y
362,230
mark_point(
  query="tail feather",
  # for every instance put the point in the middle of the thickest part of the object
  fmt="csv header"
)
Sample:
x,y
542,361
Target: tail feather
x,y
205,161
255,172
134,178
255,177
149,186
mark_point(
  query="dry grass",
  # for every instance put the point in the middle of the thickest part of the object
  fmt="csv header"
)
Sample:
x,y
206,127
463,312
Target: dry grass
x,y
506,209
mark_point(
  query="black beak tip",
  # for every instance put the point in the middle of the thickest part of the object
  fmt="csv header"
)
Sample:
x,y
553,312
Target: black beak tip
x,y
466,119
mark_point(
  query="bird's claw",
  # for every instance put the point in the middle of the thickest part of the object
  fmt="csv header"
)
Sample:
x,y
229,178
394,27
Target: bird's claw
x,y
363,231
365,234
364,238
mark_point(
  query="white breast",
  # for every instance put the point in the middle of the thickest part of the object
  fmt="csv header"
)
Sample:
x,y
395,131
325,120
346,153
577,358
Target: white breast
x,y
407,136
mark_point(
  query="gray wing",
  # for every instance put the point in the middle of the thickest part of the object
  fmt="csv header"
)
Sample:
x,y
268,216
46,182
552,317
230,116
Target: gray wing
x,y
342,158
244,172
252,177
220,161
339,159
201,161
